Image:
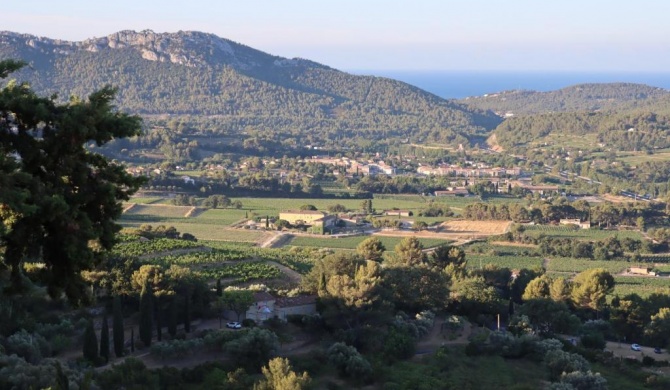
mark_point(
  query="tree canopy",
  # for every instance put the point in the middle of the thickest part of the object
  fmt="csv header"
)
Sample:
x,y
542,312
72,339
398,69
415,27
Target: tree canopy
x,y
59,199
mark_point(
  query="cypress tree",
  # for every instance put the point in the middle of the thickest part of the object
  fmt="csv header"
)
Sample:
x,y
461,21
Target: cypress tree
x,y
132,339
117,326
187,312
219,288
90,344
159,324
104,339
146,314
172,317
62,381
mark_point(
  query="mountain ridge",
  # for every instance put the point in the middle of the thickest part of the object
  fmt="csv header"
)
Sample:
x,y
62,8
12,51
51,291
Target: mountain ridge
x,y
200,74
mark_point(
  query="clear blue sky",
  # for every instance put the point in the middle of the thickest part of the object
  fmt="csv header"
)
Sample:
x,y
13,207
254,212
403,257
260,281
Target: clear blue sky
x,y
566,35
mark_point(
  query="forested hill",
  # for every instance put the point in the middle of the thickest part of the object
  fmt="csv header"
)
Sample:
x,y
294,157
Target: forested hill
x,y
228,87
582,97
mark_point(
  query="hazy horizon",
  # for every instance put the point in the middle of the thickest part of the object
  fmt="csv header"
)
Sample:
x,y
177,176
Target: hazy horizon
x,y
484,35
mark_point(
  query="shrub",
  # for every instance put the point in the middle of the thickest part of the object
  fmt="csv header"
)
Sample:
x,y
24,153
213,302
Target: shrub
x,y
32,347
248,323
559,362
349,362
254,348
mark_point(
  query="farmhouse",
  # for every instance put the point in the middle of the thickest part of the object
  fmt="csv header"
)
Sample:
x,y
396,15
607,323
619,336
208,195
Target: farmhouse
x,y
641,271
575,221
266,306
317,220
262,308
398,213
458,191
539,189
304,305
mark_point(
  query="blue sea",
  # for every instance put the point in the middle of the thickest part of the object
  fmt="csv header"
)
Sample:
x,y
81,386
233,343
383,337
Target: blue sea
x,y
461,84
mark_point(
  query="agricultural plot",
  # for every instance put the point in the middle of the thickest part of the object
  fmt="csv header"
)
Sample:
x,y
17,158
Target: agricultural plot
x,y
475,228
585,234
145,200
570,265
242,272
511,262
203,231
352,242
220,216
642,286
158,212
141,248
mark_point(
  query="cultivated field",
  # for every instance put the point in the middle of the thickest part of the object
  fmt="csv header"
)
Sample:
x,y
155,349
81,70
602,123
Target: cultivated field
x,y
585,234
352,242
475,228
158,211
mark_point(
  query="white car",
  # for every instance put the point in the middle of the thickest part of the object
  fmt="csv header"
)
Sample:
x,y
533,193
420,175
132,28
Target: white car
x,y
233,325
636,347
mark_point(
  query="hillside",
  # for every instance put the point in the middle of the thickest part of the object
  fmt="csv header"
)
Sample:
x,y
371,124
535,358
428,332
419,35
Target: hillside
x,y
582,97
227,88
618,116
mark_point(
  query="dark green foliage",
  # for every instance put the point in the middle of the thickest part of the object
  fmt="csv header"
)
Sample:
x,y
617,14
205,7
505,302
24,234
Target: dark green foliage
x,y
349,362
62,382
172,317
90,347
104,339
132,340
57,212
146,315
131,374
254,348
187,313
219,289
117,326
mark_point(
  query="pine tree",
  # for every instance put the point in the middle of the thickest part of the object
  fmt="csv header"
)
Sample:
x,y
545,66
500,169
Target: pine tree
x,y
104,339
117,326
146,314
90,344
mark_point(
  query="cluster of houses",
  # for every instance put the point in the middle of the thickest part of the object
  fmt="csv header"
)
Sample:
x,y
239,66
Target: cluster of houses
x,y
475,170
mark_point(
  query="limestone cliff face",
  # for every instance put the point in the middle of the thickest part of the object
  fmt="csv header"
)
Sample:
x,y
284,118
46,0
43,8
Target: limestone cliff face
x,y
188,48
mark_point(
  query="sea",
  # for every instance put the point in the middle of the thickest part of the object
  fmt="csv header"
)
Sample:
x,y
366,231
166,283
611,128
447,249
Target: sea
x,y
462,84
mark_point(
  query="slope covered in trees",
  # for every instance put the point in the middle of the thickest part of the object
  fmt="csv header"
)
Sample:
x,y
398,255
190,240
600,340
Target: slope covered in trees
x,y
582,97
238,88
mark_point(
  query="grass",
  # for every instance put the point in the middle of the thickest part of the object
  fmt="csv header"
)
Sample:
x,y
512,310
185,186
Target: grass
x,y
586,234
511,262
566,264
147,211
145,200
352,242
642,286
203,231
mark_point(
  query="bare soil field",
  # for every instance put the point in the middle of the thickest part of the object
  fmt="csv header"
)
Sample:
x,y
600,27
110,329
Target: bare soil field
x,y
514,244
475,227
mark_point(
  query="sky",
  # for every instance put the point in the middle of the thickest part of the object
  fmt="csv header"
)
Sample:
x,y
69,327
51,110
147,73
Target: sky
x,y
416,35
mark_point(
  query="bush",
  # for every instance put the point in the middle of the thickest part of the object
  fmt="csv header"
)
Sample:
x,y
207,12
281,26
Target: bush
x,y
349,362
559,362
254,348
32,347
248,323
593,340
